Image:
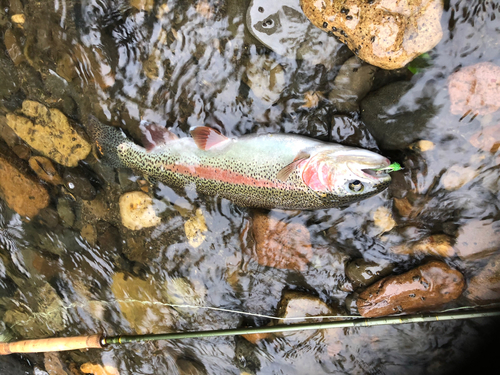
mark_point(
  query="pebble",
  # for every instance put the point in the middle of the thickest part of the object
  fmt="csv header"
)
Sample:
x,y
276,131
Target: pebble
x,y
387,34
195,228
97,369
65,212
457,176
21,193
179,291
382,218
279,244
78,184
137,211
14,48
487,139
49,133
425,287
266,78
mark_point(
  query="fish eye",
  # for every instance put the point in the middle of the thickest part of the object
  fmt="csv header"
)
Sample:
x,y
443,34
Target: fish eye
x,y
356,186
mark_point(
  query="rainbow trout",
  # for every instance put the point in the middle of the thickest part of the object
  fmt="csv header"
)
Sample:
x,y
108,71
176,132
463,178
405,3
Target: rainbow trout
x,y
260,170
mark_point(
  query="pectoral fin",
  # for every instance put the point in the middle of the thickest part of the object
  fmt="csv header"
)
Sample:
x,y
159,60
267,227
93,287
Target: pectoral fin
x,y
206,138
154,135
284,173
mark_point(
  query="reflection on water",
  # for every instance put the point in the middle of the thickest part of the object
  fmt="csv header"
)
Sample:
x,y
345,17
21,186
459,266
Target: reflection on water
x,y
74,269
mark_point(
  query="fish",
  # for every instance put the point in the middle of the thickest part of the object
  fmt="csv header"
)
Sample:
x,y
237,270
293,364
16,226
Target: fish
x,y
272,171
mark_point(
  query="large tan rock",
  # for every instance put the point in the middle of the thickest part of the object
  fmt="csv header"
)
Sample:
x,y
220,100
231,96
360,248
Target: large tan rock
x,y
137,211
385,33
422,288
49,132
21,193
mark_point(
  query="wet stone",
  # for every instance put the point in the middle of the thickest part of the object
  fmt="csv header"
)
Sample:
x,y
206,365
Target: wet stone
x,y
187,366
49,133
21,193
179,291
352,83
280,245
266,78
283,28
45,170
363,273
484,287
97,369
65,212
478,238
487,139
351,132
383,220
14,47
387,34
457,176
423,288
195,227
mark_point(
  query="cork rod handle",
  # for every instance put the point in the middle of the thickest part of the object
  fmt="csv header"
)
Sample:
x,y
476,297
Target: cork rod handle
x,y
51,345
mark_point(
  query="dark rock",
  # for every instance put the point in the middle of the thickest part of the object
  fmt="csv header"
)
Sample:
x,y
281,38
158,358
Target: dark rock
x,y
78,184
392,122
363,273
422,288
187,366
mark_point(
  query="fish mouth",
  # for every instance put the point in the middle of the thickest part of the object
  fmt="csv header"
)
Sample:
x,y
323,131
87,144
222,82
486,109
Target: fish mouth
x,y
380,172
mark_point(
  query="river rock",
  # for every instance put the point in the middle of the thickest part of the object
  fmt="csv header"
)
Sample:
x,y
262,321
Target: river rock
x,y
78,184
393,125
13,44
457,176
137,211
295,304
283,27
280,245
195,227
422,288
266,78
49,133
437,244
485,286
21,193
140,302
383,220
45,170
487,139
188,366
97,369
385,33
478,238
352,83
475,89
363,273
351,132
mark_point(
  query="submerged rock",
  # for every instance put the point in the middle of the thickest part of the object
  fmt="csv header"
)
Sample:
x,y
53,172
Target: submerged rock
x,y
485,286
45,170
137,211
195,228
49,133
179,291
383,220
141,304
280,245
392,123
475,89
354,81
295,304
478,238
363,273
266,78
21,193
437,244
487,139
283,27
457,176
385,33
97,369
422,288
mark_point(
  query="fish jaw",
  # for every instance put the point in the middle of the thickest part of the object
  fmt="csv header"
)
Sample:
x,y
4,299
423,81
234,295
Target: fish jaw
x,y
350,173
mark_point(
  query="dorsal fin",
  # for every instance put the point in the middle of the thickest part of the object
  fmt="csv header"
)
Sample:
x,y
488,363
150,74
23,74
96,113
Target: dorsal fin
x,y
206,138
154,135
284,173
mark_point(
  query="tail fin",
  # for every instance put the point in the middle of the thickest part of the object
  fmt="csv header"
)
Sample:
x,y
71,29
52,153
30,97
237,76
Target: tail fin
x,y
106,141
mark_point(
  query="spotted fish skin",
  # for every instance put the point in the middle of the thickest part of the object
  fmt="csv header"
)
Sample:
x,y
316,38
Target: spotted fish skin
x,y
242,170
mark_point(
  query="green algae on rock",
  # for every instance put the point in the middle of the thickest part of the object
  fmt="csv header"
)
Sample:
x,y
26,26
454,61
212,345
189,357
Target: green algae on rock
x,y
385,33
50,133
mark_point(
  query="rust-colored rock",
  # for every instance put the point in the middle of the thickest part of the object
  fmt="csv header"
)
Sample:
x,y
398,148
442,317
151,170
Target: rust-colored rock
x,y
44,169
385,33
279,244
475,89
20,192
422,288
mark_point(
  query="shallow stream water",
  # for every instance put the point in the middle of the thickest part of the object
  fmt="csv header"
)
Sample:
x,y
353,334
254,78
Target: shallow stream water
x,y
75,269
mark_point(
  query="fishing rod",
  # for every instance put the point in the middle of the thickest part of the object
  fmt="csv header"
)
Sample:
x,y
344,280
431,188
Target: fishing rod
x,y
57,344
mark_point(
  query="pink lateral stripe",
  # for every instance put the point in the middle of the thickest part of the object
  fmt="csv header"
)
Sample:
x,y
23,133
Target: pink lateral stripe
x,y
223,175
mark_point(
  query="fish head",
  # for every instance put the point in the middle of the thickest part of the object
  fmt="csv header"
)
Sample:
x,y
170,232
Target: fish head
x,y
351,174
